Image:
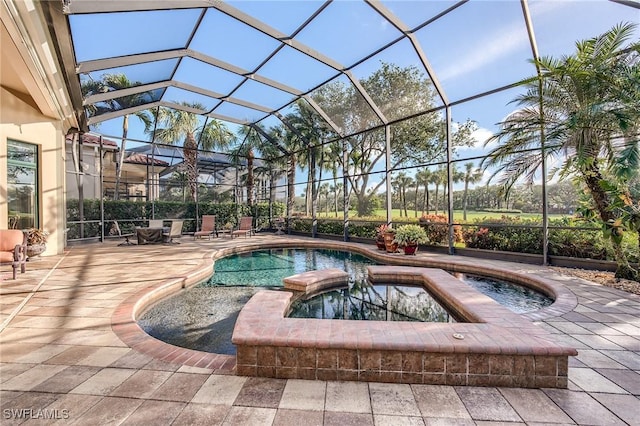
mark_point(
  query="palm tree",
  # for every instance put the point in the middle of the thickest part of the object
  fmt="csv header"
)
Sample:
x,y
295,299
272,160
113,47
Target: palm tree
x,y
402,182
311,131
291,143
439,178
470,176
424,178
323,191
584,108
112,82
337,190
273,168
252,142
175,125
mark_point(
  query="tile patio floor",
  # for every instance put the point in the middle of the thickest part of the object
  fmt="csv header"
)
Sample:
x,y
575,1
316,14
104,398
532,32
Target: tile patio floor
x,y
59,357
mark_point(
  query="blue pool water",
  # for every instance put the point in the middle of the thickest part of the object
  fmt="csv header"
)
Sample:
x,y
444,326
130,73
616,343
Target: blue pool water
x,y
203,317
267,268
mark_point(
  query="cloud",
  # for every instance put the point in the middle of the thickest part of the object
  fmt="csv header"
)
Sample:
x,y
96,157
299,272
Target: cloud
x,y
486,50
479,137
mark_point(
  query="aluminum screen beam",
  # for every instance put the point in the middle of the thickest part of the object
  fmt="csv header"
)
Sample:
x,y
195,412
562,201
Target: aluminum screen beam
x,y
122,61
400,26
102,6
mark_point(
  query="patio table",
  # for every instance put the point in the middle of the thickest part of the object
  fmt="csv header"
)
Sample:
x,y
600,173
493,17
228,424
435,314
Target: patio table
x,y
149,235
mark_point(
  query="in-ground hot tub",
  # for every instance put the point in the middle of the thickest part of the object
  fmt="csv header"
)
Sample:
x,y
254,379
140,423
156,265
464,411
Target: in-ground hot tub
x,y
495,347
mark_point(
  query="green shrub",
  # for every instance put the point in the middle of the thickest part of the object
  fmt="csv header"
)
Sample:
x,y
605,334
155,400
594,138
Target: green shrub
x,y
506,233
363,229
525,236
301,225
437,227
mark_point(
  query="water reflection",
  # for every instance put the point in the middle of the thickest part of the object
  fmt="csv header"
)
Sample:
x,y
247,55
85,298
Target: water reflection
x,y
379,302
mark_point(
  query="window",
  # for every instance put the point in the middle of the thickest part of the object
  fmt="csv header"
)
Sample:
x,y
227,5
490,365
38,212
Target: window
x,y
22,184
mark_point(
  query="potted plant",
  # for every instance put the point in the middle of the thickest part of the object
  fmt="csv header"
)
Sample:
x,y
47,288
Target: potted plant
x,y
409,236
380,231
389,240
36,241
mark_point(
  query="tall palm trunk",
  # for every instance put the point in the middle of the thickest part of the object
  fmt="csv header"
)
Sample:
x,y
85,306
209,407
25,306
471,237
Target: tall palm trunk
x,y
250,179
125,131
272,188
415,199
291,184
404,200
309,191
336,191
464,200
191,159
425,198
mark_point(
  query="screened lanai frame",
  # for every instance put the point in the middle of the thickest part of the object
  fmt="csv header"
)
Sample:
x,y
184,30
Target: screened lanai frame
x,y
288,40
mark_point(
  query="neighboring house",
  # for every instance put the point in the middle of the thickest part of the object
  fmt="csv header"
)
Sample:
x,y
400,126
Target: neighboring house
x,y
83,170
82,165
140,176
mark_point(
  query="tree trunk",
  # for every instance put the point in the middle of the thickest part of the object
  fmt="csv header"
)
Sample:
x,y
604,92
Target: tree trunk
x,y
291,185
190,159
335,195
593,177
308,197
125,131
415,198
425,199
464,200
250,180
404,201
362,204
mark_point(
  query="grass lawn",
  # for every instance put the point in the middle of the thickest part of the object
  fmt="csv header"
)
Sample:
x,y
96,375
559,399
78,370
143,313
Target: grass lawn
x,y
457,215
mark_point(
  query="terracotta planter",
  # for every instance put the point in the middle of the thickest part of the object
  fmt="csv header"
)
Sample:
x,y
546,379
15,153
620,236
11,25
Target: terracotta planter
x,y
380,243
410,249
35,250
389,244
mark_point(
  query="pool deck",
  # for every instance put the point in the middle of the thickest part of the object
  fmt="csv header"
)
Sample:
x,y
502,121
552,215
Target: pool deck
x,y
67,349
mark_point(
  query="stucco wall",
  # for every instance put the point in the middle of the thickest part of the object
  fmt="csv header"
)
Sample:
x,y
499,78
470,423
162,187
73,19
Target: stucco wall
x,y
19,120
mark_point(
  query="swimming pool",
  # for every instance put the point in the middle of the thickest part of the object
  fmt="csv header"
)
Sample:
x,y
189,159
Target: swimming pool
x,y
203,317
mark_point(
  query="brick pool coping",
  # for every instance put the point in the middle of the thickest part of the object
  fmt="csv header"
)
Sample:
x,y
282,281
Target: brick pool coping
x,y
127,329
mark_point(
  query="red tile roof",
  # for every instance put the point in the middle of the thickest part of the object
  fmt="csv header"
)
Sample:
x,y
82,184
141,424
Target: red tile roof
x,y
145,160
90,139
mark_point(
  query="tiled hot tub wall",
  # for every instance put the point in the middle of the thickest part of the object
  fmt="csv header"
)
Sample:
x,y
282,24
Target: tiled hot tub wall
x,y
499,348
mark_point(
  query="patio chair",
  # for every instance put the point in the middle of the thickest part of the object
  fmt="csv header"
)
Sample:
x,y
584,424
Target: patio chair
x,y
13,249
246,227
115,230
155,223
207,228
174,232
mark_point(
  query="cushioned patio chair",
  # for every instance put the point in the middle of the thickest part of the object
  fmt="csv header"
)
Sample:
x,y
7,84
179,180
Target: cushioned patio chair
x,y
174,232
245,228
13,249
115,230
208,227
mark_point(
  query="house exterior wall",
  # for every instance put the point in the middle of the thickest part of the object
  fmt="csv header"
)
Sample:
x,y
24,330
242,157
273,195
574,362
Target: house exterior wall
x,y
35,108
22,122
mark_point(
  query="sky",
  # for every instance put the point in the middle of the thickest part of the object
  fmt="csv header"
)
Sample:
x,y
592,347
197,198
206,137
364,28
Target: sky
x,y
477,47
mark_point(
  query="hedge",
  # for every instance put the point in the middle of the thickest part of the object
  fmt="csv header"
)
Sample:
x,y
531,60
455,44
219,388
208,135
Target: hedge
x,y
136,213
